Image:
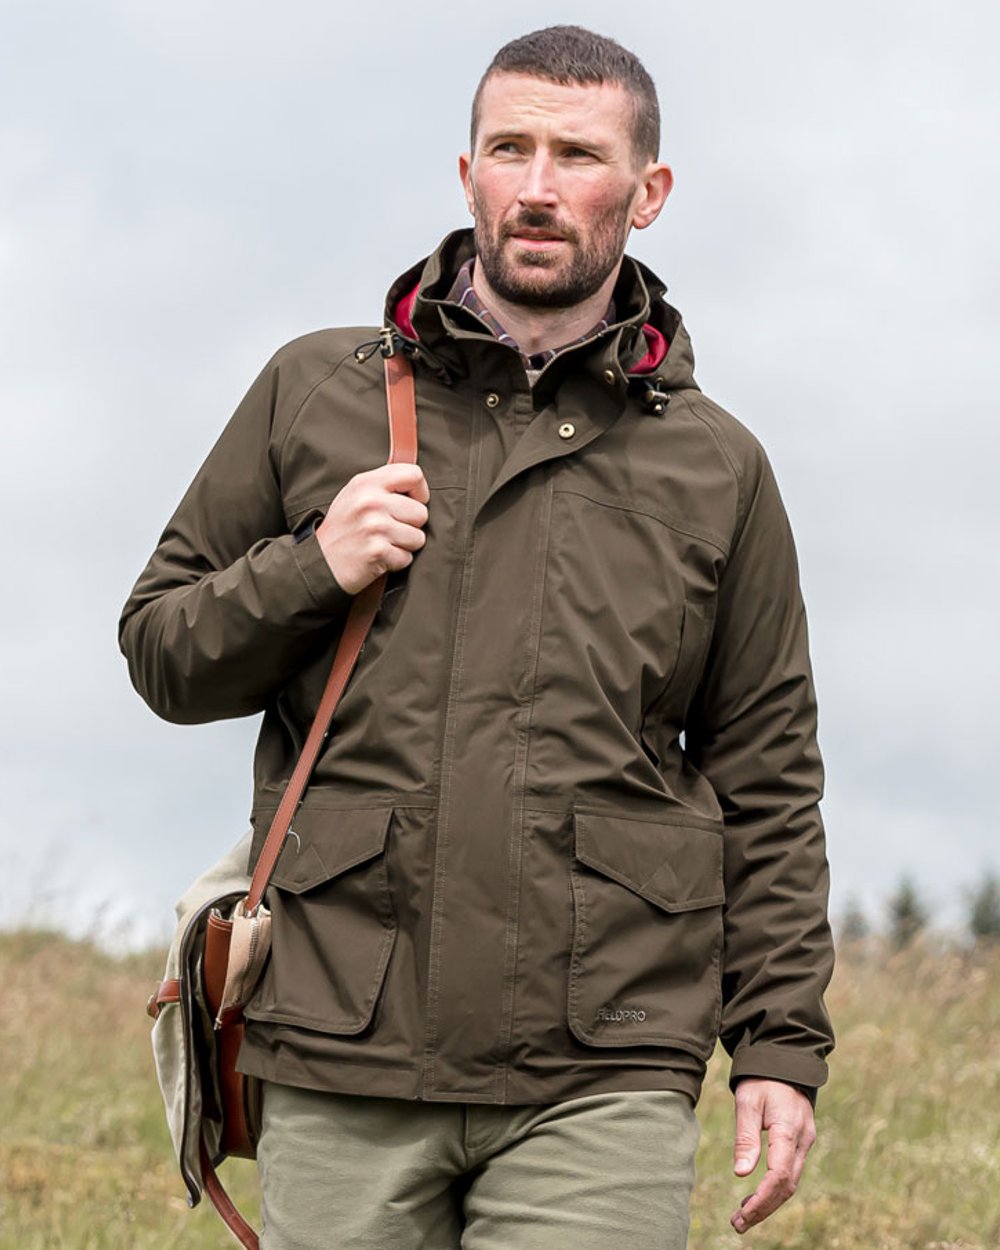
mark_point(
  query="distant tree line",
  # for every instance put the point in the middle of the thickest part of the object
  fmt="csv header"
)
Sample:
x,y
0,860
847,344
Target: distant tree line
x,y
907,915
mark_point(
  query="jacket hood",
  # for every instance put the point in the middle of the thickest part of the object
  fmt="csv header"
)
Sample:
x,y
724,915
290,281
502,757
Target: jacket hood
x,y
647,339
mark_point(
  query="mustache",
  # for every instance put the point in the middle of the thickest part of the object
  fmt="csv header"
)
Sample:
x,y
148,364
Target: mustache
x,y
537,219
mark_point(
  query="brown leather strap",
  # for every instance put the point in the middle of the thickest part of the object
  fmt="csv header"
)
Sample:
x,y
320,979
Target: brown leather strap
x,y
401,403
222,1202
165,992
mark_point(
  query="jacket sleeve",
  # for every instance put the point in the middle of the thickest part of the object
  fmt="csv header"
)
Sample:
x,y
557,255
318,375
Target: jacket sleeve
x,y
752,733
230,604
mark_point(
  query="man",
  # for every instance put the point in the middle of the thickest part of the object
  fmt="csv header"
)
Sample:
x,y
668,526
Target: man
x,y
565,831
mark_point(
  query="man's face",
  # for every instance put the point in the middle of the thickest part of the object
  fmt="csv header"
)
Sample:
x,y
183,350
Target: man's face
x,y
554,186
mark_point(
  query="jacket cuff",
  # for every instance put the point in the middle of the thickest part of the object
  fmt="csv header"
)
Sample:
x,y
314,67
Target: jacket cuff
x,y
808,1091
326,591
778,1063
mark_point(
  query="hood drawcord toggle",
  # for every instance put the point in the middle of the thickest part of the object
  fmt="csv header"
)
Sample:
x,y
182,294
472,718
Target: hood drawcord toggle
x,y
388,343
654,398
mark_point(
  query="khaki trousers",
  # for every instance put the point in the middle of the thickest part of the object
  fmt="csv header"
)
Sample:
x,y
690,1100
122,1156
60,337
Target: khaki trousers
x,y
343,1172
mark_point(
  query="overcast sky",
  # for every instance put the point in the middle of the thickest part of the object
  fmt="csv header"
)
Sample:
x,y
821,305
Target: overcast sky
x,y
185,187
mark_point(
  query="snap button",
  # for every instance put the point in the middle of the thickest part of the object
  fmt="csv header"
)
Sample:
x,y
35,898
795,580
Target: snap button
x,y
609,377
492,399
567,429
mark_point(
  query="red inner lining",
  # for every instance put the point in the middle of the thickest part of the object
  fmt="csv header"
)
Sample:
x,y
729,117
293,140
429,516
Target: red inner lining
x,y
656,345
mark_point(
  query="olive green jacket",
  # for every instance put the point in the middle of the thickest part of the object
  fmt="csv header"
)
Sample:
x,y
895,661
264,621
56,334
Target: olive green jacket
x,y
565,831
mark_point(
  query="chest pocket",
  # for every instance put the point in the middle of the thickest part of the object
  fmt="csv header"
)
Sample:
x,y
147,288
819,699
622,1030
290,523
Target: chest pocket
x,y
616,581
618,634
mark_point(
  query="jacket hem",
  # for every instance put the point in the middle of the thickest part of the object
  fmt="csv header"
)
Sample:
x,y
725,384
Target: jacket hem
x,y
521,1088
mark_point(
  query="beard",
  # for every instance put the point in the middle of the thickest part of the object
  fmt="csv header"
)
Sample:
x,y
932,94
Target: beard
x,y
543,280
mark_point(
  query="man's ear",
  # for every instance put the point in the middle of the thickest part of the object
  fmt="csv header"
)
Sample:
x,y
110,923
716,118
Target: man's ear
x,y
655,185
465,173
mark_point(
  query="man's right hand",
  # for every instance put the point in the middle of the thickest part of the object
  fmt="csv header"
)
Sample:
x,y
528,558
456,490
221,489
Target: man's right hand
x,y
375,524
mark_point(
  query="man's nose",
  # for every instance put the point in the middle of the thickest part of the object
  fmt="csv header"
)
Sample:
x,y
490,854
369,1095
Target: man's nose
x,y
539,185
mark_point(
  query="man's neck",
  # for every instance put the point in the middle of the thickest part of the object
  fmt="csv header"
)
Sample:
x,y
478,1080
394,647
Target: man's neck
x,y
544,329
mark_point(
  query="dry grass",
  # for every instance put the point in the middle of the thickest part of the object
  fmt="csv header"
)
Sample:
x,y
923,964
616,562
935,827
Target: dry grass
x,y
908,1156
85,1160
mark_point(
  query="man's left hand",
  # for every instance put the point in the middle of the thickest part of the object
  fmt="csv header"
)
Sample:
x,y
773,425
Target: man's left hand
x,y
786,1115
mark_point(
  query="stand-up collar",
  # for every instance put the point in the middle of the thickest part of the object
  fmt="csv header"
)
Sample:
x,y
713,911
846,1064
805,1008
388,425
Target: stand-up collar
x,y
647,336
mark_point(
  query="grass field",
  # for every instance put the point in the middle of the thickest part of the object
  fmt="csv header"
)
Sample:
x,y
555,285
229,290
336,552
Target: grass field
x,y
908,1156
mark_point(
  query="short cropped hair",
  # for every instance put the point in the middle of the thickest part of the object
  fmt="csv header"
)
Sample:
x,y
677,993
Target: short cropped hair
x,y
571,54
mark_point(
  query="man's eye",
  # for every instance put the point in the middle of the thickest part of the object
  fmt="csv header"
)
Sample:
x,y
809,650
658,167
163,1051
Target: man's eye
x,y
508,146
577,153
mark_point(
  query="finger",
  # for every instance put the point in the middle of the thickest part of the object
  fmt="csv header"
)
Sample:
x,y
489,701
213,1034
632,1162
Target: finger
x,y
421,491
409,538
391,558
805,1143
408,510
778,1183
746,1145
397,559
412,482
388,552
404,478
391,536
790,1140
769,1195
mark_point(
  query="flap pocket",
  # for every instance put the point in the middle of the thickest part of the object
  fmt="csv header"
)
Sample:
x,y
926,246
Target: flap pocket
x,y
333,926
647,934
676,867
322,843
